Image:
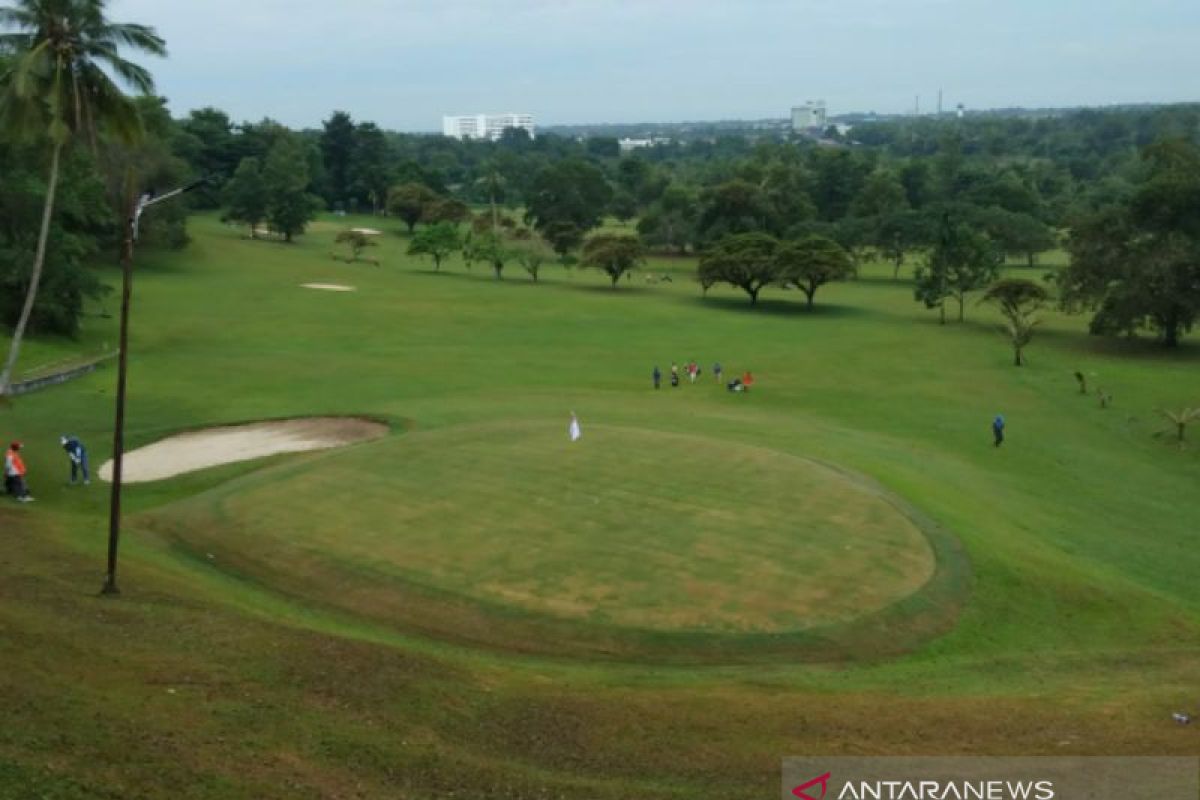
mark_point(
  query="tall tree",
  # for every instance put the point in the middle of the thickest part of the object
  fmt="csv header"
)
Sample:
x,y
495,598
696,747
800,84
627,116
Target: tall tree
x,y
81,215
212,150
881,195
569,191
290,206
960,262
671,221
735,206
246,195
369,171
1136,264
56,87
337,148
493,182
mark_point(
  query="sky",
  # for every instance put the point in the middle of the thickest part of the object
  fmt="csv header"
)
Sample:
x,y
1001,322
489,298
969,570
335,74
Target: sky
x,y
405,63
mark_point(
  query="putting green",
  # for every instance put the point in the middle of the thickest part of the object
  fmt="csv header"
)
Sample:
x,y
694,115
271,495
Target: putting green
x,y
628,529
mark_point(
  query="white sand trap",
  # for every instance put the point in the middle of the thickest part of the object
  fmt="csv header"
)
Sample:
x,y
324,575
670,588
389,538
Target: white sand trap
x,y
187,452
367,231
328,287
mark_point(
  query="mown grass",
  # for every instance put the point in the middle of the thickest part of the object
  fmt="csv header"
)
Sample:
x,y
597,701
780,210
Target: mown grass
x,y
1077,634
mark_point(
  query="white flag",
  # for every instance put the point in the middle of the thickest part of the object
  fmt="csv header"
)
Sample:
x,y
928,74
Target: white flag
x,y
574,430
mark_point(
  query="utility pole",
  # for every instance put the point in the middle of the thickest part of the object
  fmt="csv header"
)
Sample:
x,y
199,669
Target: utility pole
x,y
133,215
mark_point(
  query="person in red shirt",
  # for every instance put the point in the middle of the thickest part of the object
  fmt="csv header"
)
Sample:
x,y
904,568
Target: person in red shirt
x,y
14,474
747,379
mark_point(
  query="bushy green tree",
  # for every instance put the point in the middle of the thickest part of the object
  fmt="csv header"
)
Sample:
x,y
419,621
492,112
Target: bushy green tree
x,y
733,207
743,260
285,177
356,242
490,248
246,195
411,202
1136,264
436,241
531,253
810,263
81,216
614,254
1018,300
571,191
960,261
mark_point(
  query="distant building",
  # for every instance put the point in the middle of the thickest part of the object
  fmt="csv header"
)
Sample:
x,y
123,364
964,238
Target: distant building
x,y
628,144
809,116
485,126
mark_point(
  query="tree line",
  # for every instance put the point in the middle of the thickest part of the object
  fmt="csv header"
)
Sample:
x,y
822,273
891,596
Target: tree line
x,y
949,199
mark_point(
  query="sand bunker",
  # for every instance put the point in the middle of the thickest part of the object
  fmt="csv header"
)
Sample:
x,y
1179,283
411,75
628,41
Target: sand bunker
x,y
367,231
328,287
187,452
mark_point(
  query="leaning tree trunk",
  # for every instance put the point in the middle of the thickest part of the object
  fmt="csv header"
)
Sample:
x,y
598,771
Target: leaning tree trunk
x,y
39,262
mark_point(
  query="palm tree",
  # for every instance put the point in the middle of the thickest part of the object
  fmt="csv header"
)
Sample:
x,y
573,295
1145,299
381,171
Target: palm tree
x,y
494,182
56,86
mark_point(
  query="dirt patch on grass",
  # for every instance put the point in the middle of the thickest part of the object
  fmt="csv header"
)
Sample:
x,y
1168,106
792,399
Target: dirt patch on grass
x,y
195,450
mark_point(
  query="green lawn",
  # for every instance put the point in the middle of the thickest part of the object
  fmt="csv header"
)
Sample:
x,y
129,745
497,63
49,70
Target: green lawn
x,y
836,562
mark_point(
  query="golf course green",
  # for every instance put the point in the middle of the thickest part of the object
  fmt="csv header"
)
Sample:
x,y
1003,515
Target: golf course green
x,y
837,561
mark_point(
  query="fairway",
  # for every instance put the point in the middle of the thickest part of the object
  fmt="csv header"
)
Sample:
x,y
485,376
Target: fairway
x,y
703,582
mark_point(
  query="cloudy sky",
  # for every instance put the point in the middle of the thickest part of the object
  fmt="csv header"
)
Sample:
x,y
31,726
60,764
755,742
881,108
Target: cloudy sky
x,y
405,63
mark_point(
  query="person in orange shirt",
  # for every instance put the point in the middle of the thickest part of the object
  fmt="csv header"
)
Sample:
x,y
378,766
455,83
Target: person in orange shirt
x,y
14,474
747,380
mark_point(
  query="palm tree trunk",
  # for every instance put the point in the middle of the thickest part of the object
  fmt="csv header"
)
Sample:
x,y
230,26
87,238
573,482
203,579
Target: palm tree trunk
x,y
39,261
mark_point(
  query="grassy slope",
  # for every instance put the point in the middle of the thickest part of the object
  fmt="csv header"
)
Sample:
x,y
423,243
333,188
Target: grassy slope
x,y
1078,635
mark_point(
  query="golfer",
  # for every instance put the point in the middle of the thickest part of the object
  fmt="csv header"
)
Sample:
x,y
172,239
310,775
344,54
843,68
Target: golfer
x,y
14,474
657,376
79,459
998,430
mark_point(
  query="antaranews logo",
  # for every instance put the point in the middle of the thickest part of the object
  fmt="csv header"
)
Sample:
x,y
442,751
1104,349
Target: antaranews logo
x,y
877,789
801,791
986,778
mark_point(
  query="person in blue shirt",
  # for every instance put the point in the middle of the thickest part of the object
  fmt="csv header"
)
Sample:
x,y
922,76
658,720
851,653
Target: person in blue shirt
x,y
657,375
998,430
79,460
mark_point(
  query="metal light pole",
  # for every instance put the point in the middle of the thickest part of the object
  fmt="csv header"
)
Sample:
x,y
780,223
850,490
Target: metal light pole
x,y
131,231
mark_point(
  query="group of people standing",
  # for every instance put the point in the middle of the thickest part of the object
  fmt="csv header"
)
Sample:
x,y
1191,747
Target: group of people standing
x,y
692,370
15,484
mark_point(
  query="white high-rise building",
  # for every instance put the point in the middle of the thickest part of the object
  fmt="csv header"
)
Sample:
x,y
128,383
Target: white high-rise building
x,y
808,116
485,126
